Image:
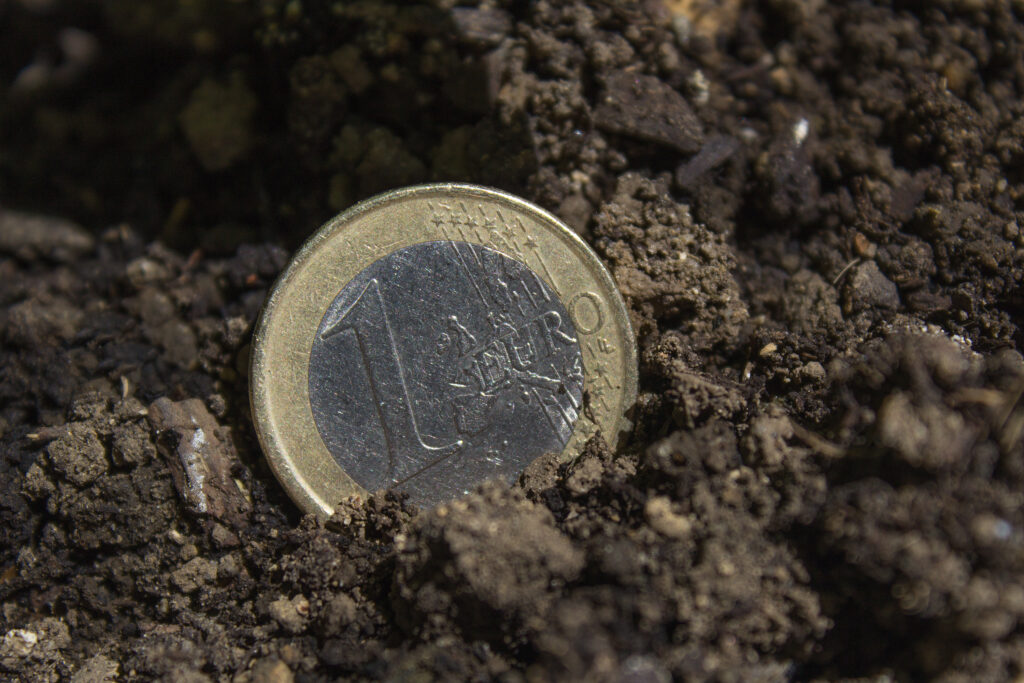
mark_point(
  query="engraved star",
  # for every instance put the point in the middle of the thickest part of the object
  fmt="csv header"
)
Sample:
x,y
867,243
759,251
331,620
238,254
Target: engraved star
x,y
514,227
531,243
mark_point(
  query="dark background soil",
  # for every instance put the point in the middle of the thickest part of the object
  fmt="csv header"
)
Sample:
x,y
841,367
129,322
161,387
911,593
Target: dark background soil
x,y
814,211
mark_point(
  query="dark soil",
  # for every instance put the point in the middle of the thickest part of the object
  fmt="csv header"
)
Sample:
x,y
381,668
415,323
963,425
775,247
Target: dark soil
x,y
814,211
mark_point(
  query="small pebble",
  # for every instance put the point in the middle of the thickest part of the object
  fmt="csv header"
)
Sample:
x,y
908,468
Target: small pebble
x,y
19,643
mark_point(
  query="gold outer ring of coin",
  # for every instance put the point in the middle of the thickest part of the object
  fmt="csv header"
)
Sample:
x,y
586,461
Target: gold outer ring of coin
x,y
372,229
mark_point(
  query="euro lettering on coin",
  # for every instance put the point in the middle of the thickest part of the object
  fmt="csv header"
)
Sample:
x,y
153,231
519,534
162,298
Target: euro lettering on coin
x,y
432,338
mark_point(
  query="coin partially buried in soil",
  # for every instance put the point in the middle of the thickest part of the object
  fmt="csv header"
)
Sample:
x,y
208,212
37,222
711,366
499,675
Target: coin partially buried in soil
x,y
434,337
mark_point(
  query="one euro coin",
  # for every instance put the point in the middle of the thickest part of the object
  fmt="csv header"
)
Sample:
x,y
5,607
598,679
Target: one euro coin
x,y
434,337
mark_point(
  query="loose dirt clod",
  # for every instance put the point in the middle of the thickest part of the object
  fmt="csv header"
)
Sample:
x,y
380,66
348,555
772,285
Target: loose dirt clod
x,y
644,107
29,236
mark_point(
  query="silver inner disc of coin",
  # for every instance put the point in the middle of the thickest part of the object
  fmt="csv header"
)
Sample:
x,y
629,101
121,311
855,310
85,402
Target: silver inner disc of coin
x,y
442,365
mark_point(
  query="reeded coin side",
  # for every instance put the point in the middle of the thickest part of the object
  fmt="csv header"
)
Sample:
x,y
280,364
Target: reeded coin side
x,y
376,288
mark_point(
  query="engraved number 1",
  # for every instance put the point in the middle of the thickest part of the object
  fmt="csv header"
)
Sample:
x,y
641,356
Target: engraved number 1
x,y
407,452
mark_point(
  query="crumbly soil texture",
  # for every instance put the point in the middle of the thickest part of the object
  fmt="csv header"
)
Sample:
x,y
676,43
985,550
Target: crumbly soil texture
x,y
814,211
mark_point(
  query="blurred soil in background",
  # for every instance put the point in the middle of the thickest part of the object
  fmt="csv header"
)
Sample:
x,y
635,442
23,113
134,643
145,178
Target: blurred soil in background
x,y
814,211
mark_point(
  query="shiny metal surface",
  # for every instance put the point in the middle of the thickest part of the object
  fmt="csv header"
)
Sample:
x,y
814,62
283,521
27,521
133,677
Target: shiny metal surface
x,y
441,365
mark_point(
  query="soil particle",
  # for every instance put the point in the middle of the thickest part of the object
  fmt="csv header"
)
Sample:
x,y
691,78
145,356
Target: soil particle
x,y
194,574
78,457
387,163
318,98
131,446
809,304
38,646
659,514
790,188
29,236
707,19
97,669
290,615
868,288
489,565
644,107
217,122
19,642
482,27
714,152
53,319
667,266
697,398
271,671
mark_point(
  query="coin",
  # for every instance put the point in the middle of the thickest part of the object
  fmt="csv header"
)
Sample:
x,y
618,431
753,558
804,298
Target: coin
x,y
434,337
